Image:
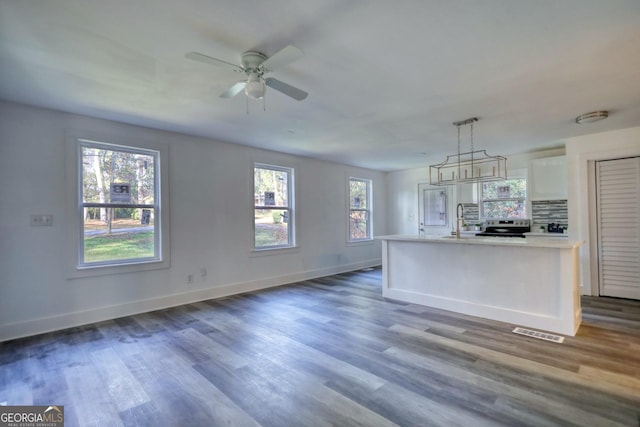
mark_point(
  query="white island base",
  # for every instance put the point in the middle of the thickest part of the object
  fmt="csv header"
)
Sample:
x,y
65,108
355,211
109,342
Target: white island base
x,y
532,283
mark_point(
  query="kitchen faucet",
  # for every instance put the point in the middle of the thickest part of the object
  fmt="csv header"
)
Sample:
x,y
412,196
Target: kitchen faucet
x,y
459,217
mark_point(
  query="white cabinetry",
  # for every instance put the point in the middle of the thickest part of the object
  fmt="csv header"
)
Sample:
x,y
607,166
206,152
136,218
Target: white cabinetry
x,y
468,193
540,293
548,179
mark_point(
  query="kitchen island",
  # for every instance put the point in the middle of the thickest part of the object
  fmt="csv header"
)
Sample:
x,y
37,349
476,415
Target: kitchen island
x,y
532,283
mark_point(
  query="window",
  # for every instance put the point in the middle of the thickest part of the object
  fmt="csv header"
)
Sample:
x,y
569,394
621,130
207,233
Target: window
x,y
273,207
359,209
118,205
504,199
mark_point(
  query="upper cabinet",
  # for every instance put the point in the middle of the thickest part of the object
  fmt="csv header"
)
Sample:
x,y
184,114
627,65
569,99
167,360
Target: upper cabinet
x,y
468,193
548,179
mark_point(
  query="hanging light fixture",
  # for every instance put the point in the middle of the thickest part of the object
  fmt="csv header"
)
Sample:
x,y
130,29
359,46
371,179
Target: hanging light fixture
x,y
470,166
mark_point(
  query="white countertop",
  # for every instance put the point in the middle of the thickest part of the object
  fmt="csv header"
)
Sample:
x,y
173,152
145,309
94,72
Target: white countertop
x,y
496,241
547,235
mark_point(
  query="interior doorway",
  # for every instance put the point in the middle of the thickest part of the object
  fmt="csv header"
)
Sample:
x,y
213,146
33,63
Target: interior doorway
x,y
617,200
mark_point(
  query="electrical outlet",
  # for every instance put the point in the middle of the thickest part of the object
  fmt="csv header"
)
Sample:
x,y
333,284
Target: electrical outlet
x,y
41,220
203,272
190,278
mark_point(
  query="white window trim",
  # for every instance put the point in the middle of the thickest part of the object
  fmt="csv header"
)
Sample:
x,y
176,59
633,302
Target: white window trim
x,y
514,174
292,245
369,210
73,207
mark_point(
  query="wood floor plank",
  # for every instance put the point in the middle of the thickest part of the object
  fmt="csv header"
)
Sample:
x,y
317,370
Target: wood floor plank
x,y
422,411
308,359
146,414
254,394
416,380
182,396
507,360
631,382
119,384
199,348
89,401
330,351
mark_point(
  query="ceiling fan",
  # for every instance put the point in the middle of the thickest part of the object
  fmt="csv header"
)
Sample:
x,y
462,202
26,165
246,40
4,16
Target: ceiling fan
x,y
255,65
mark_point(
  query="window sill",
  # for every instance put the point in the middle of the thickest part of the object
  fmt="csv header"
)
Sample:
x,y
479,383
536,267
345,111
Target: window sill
x,y
363,242
102,270
274,251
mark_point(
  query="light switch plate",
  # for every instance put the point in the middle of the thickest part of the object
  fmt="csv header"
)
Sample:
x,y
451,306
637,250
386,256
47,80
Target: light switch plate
x,y
41,220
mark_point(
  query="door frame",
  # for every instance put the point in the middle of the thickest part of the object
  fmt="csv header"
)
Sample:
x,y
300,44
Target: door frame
x,y
580,151
594,250
592,191
433,229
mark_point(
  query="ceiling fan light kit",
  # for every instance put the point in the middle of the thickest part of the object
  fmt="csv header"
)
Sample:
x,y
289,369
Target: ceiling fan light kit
x,y
594,116
255,65
254,88
468,167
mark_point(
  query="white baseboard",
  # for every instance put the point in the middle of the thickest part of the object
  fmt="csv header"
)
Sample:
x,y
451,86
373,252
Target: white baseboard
x,y
68,320
545,322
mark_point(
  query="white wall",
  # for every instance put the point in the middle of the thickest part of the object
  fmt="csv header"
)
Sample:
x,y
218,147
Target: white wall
x,y
211,218
581,153
402,187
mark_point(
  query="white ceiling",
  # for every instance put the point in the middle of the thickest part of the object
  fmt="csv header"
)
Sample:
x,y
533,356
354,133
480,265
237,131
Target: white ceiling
x,y
386,79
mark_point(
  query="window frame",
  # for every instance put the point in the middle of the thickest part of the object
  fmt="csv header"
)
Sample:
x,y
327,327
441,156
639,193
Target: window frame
x,y
368,210
524,199
289,208
76,268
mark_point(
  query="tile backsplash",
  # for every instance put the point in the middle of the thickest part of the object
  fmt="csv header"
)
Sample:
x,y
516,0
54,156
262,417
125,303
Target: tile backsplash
x,y
542,213
471,213
548,211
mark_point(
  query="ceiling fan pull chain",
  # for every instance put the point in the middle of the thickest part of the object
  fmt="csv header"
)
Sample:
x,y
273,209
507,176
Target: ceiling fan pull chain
x,y
247,99
264,102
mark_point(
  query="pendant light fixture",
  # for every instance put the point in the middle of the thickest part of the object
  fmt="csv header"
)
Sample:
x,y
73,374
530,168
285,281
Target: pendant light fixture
x,y
468,167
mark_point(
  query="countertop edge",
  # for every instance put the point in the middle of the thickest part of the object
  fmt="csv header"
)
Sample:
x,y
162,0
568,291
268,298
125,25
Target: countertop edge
x,y
494,241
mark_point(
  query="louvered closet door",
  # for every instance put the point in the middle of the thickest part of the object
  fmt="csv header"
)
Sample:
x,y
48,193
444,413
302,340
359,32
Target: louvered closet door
x,y
618,207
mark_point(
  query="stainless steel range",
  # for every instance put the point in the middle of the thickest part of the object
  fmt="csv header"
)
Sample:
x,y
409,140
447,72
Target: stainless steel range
x,y
506,227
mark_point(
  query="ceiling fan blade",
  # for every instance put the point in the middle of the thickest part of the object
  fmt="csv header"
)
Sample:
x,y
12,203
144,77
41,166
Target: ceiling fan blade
x,y
287,89
233,90
195,56
282,57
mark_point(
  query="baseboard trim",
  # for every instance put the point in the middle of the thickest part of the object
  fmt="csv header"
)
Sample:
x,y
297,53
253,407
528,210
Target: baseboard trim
x,y
79,318
546,322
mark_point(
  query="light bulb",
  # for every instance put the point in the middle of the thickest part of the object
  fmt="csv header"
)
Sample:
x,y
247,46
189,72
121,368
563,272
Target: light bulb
x,y
254,87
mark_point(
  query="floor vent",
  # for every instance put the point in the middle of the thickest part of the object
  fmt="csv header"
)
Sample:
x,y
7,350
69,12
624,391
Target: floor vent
x,y
540,335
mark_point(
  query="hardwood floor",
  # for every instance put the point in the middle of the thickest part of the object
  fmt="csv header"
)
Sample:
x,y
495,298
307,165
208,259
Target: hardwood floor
x,y
329,351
